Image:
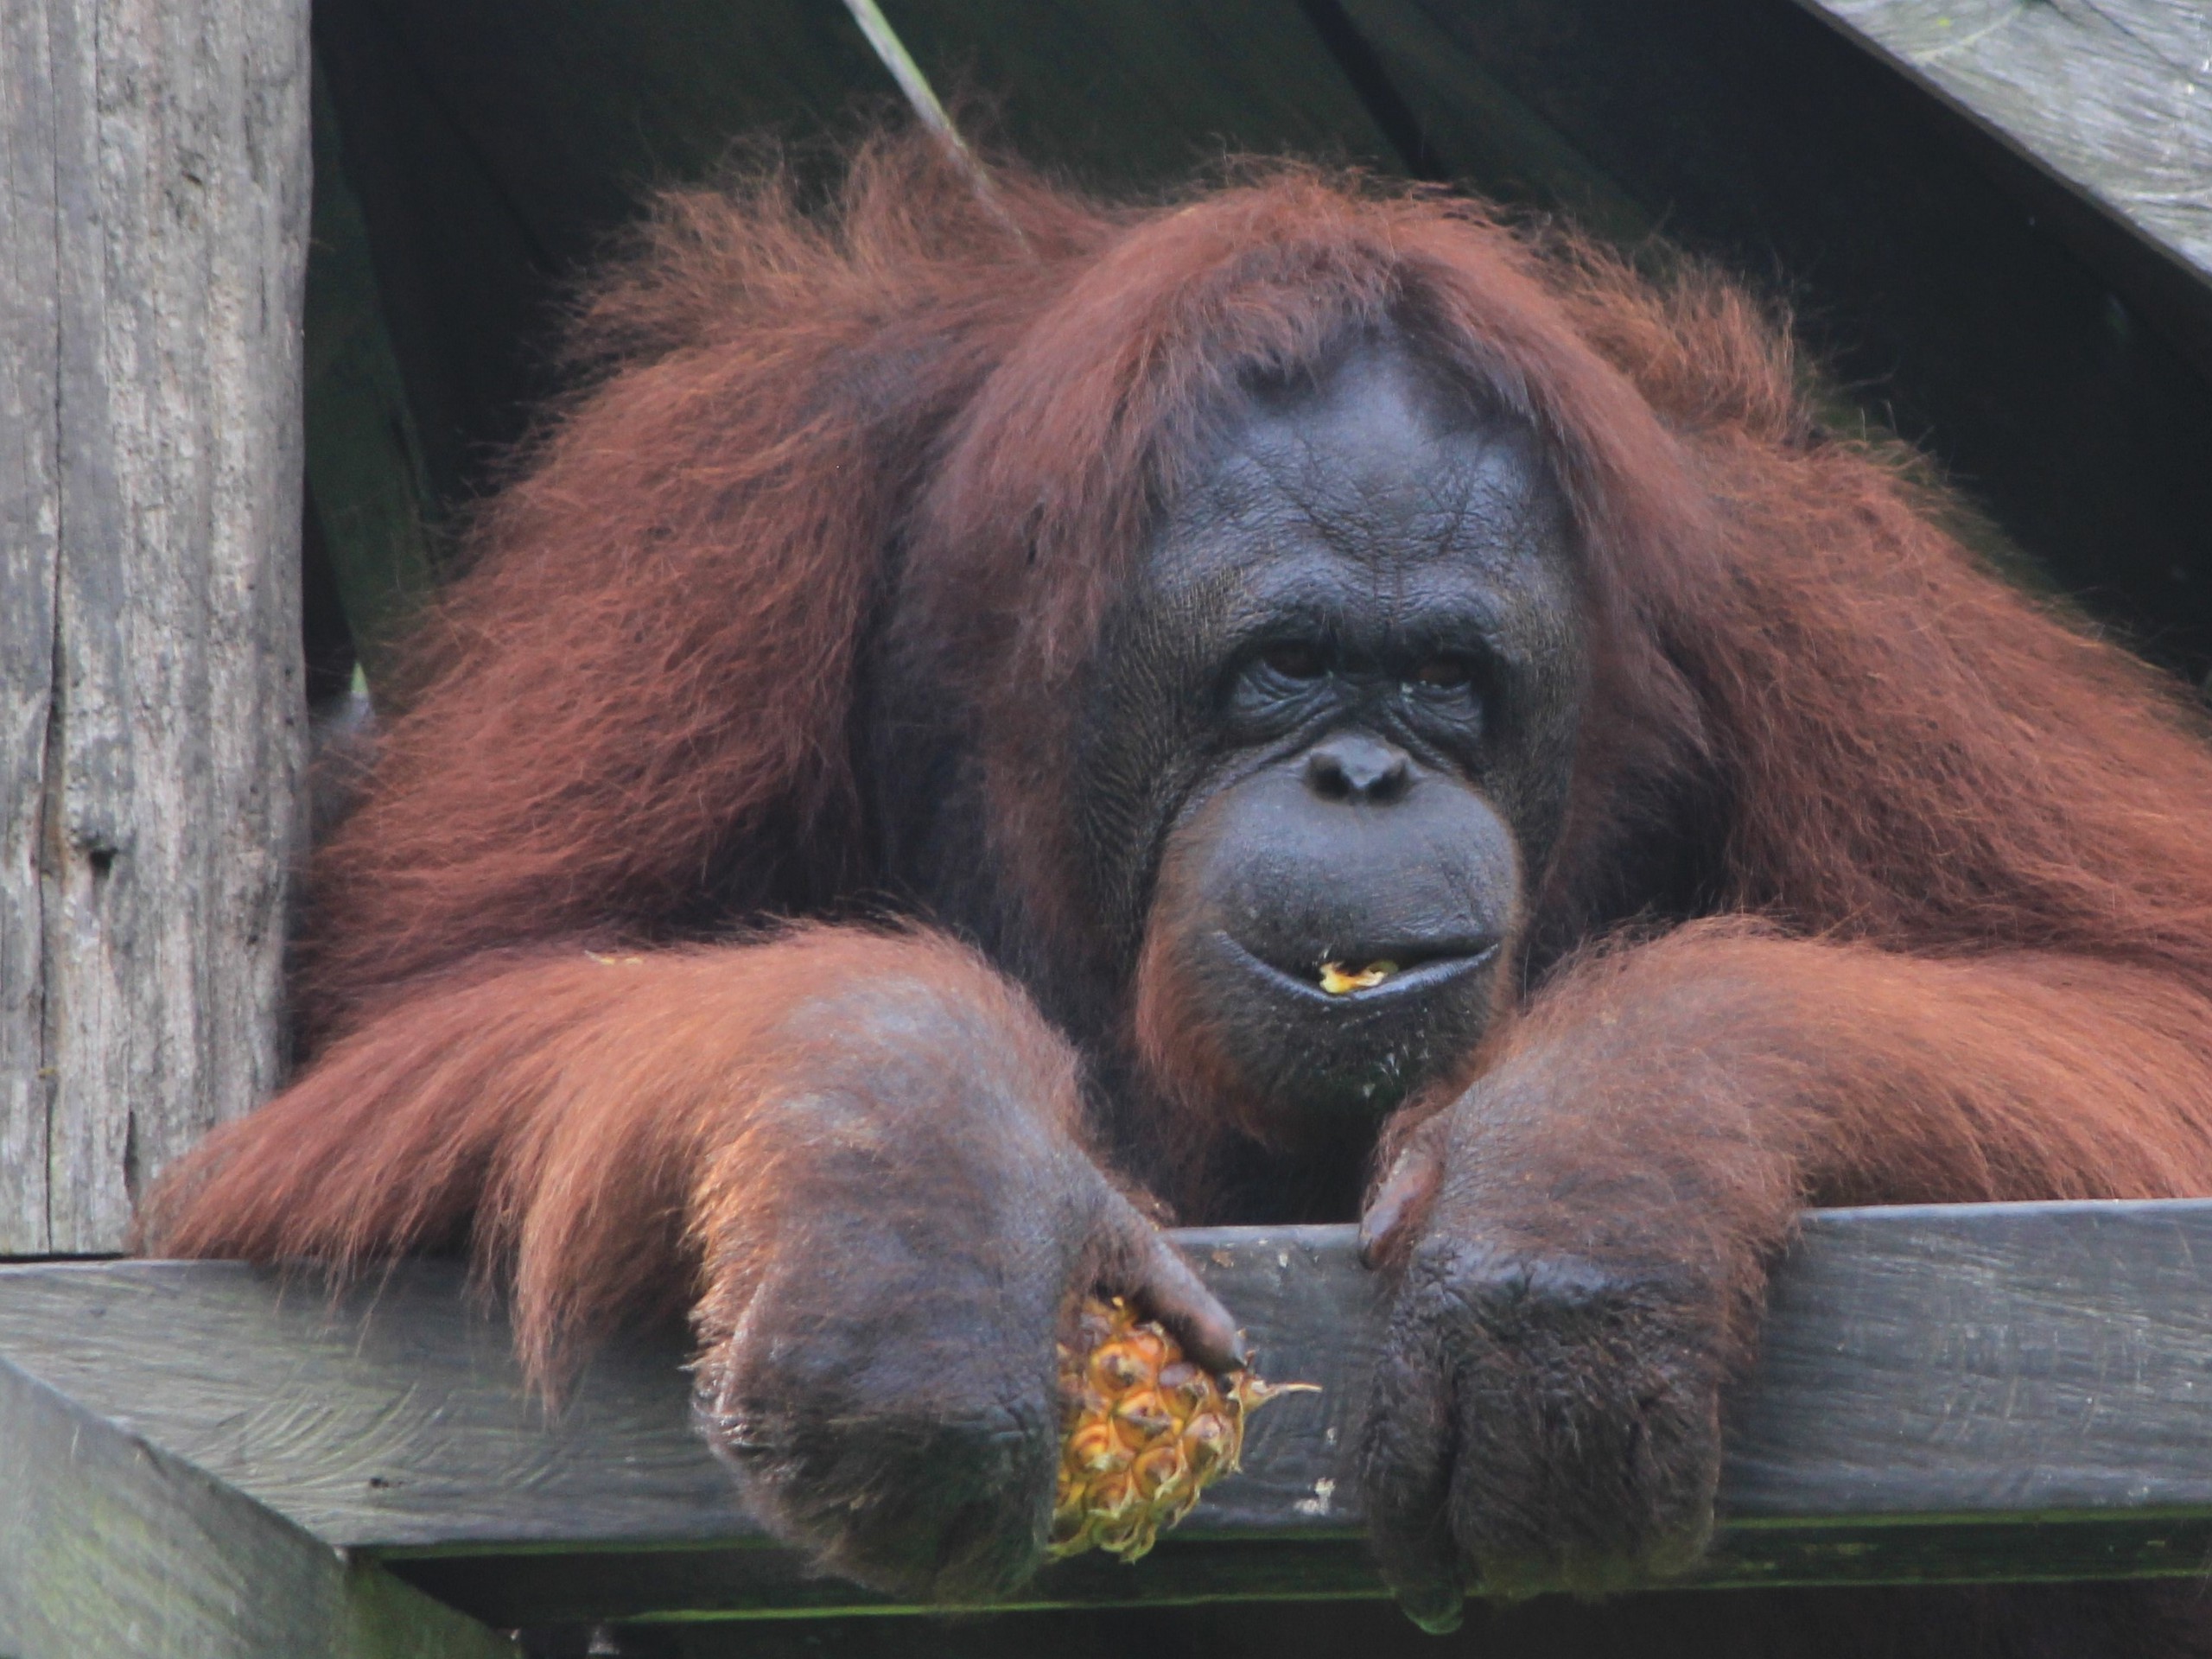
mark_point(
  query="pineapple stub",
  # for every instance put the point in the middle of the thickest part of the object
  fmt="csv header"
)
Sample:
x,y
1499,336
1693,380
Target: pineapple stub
x,y
1143,1431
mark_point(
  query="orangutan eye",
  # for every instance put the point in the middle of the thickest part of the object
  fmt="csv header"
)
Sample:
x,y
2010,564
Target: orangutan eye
x,y
1294,660
1445,674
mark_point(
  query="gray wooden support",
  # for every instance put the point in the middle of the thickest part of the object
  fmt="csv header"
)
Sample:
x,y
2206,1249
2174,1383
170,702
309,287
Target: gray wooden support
x,y
1972,1393
154,202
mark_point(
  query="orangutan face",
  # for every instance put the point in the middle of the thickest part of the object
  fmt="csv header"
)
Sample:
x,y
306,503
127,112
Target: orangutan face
x,y
1332,739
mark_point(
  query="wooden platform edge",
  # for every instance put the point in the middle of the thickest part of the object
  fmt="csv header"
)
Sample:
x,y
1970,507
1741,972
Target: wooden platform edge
x,y
2101,140
1947,1393
111,1546
2096,97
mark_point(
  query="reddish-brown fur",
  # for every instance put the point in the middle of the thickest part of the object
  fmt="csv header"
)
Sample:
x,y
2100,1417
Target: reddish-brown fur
x,y
591,1122
1963,944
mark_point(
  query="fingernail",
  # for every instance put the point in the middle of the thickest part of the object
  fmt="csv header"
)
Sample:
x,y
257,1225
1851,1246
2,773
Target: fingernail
x,y
1408,1185
1437,1610
1371,1245
1377,1230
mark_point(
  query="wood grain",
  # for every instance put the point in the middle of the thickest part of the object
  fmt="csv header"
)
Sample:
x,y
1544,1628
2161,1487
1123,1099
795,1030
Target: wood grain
x,y
118,1549
1977,1392
154,199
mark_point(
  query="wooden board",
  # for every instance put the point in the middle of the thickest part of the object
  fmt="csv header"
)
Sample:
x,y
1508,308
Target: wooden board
x,y
118,1549
152,234
2112,99
1965,1393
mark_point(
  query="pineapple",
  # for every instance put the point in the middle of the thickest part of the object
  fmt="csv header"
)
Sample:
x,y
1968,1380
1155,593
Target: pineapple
x,y
1143,1431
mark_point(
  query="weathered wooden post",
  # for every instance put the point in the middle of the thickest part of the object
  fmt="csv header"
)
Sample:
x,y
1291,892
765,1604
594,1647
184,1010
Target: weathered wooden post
x,y
154,202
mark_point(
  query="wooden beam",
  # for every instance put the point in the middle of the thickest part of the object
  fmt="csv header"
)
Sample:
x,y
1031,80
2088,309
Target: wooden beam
x,y
2111,101
116,1546
1485,138
154,198
1132,93
1970,1393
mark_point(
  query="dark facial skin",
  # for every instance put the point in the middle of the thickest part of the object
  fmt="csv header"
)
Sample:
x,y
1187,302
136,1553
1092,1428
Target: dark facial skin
x,y
1332,720
1334,725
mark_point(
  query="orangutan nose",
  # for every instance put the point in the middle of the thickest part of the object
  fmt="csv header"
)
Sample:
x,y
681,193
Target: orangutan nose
x,y
1357,768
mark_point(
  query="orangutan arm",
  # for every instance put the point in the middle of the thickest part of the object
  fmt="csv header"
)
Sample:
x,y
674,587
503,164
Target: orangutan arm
x,y
1582,1237
855,1157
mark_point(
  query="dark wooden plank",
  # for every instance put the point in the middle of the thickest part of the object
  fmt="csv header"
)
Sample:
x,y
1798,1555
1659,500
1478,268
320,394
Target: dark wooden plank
x,y
1186,1571
462,280
1976,1392
367,475
113,1547
2112,99
1135,94
496,144
1483,136
574,109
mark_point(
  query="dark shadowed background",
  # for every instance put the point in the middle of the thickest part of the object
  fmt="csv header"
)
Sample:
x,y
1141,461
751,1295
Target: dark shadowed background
x,y
471,154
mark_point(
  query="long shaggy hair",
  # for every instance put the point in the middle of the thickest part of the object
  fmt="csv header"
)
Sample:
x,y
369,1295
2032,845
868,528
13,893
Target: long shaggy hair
x,y
921,427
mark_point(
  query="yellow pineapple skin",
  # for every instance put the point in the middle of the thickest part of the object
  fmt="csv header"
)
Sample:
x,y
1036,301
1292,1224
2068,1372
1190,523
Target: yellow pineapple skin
x,y
1143,1431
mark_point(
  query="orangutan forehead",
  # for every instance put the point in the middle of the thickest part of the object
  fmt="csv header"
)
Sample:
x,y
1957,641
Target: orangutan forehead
x,y
1373,497
1373,454
1362,476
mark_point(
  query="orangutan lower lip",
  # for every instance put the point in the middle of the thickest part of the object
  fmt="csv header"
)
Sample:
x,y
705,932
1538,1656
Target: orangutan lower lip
x,y
1418,967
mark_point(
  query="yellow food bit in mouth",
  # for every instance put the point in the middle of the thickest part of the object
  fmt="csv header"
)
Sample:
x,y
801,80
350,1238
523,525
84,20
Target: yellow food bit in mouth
x,y
1143,1431
1336,982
